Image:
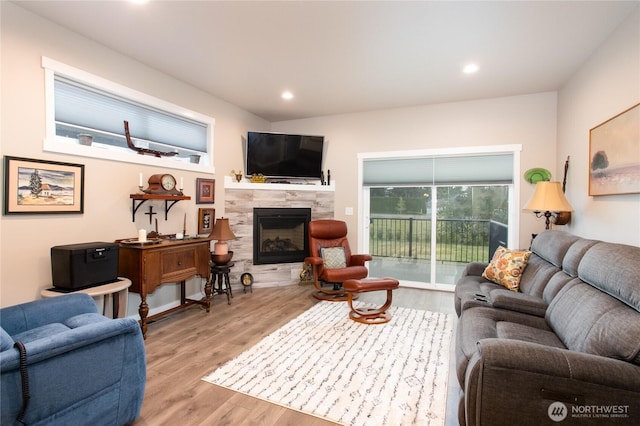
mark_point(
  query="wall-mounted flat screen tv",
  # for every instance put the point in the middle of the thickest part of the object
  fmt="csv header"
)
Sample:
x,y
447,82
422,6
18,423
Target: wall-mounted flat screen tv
x,y
279,155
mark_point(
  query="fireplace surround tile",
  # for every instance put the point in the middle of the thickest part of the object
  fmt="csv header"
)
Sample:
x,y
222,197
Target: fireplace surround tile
x,y
241,199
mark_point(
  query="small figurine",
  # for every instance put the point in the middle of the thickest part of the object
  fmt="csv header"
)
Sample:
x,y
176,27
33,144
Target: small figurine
x,y
237,174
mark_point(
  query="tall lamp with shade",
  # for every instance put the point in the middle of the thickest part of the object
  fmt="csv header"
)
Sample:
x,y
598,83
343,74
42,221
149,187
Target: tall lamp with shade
x,y
548,200
222,233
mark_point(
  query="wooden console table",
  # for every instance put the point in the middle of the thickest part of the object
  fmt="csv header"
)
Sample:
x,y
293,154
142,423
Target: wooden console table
x,y
169,261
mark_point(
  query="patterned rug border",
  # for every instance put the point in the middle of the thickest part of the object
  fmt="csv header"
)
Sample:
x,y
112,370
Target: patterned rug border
x,y
396,385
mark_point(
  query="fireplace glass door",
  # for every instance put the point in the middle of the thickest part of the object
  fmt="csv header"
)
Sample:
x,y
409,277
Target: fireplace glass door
x,y
280,235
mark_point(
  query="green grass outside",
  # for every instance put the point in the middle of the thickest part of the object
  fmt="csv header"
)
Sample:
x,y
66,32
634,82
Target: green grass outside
x,y
467,242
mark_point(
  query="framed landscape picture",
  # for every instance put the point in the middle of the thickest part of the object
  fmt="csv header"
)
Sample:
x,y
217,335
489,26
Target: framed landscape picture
x,y
42,187
614,155
205,191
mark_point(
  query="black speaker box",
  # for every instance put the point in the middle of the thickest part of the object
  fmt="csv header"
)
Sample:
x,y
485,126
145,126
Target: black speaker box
x,y
78,266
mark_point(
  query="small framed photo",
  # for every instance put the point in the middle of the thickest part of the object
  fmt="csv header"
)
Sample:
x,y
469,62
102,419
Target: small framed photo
x,y
42,187
206,219
205,191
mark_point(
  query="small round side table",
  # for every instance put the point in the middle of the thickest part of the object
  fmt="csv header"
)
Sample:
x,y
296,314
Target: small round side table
x,y
118,291
220,273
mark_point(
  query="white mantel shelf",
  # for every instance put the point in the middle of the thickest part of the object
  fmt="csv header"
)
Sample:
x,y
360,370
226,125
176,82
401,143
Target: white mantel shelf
x,y
230,183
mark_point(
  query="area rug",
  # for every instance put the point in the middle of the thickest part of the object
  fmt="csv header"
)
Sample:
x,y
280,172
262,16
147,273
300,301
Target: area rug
x,y
324,364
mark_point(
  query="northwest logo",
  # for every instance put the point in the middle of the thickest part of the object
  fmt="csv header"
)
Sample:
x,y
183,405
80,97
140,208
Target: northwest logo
x,y
557,411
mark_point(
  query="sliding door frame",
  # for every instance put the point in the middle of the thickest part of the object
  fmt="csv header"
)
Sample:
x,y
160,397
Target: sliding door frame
x,y
514,210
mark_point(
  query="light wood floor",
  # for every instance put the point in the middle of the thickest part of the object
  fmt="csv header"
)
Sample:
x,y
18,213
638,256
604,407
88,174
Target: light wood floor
x,y
187,345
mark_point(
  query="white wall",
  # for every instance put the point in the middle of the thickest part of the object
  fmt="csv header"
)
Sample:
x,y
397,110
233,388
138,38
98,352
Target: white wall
x,y
528,120
547,125
607,84
26,240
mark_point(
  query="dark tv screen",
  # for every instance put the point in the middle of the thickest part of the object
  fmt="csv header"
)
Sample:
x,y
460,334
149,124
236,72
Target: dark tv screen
x,y
284,156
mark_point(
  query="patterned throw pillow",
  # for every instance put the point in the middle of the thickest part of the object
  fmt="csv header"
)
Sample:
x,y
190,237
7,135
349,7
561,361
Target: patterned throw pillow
x,y
506,267
333,257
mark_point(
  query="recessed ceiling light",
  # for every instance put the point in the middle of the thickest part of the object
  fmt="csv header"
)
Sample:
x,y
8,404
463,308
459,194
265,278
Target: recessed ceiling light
x,y
287,95
470,69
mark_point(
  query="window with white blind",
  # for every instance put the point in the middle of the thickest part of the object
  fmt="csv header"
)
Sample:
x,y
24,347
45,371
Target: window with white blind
x,y
426,214
473,168
82,106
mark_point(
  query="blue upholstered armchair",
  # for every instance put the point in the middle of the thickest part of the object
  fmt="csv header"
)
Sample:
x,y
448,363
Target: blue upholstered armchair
x,y
82,367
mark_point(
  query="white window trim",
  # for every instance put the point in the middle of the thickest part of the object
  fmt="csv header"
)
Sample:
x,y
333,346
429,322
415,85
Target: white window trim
x,y
63,145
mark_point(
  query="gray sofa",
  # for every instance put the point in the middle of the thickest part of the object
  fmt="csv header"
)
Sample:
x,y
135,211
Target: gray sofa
x,y
565,347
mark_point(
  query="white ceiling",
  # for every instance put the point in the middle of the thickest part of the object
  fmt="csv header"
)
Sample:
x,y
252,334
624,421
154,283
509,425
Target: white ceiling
x,y
350,56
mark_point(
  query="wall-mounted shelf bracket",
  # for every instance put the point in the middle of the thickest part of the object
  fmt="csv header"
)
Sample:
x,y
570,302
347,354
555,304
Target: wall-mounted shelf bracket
x,y
169,201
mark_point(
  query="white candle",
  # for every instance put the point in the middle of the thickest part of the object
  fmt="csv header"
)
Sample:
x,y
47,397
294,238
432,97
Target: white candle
x,y
181,184
142,235
140,183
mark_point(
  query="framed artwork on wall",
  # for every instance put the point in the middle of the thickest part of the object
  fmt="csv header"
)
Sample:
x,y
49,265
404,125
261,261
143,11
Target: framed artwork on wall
x,y
205,191
206,219
42,187
614,155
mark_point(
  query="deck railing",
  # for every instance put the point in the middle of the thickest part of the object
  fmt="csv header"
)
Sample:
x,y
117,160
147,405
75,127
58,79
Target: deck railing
x,y
457,240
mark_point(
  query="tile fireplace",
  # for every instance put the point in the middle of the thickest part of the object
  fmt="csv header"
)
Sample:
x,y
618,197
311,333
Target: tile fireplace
x,y
280,235
240,200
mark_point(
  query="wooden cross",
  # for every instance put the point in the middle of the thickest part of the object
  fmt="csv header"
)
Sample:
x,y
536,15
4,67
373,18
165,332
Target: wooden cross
x,y
151,213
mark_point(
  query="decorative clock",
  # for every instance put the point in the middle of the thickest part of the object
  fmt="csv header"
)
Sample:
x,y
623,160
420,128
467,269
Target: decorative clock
x,y
247,281
162,184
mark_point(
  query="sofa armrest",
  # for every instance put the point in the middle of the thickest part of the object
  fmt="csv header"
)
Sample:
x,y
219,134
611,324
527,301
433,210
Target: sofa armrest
x,y
508,380
75,338
519,302
19,318
474,268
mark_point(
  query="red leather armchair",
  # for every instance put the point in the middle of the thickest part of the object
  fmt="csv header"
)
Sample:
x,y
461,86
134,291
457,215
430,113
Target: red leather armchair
x,y
327,243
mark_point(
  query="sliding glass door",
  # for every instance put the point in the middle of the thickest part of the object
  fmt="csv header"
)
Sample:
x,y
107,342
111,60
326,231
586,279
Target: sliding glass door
x,y
423,225
462,226
400,232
